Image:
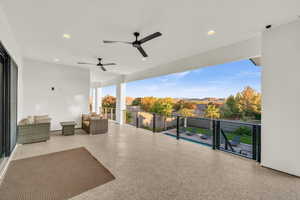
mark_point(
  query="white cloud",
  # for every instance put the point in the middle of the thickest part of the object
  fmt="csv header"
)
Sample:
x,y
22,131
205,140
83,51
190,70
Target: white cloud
x,y
175,76
181,74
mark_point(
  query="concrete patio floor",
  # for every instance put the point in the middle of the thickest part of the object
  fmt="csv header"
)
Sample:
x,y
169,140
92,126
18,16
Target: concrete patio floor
x,y
155,166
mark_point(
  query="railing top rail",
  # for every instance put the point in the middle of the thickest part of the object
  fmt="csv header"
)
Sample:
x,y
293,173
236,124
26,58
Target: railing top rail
x,y
203,118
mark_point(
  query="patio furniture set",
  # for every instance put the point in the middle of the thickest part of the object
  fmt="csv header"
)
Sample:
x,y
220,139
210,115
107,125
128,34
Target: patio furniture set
x,y
37,128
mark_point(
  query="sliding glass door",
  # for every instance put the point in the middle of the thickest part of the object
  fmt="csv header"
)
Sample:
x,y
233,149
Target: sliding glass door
x,y
8,104
2,133
13,104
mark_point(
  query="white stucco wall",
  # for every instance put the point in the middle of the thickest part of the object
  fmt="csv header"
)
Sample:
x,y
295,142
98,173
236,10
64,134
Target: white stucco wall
x,y
9,42
69,99
281,98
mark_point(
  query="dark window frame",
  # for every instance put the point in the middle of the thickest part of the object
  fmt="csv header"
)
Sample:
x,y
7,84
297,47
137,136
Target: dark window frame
x,y
6,106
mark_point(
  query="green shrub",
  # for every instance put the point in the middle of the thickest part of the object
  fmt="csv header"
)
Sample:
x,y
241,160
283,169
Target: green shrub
x,y
128,117
243,130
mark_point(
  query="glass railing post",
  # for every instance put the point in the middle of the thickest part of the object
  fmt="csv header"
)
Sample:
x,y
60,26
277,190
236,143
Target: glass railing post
x,y
177,127
214,134
154,122
137,120
218,128
254,146
258,143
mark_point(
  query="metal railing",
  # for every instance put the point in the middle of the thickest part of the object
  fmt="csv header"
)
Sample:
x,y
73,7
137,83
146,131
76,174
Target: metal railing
x,y
108,113
236,137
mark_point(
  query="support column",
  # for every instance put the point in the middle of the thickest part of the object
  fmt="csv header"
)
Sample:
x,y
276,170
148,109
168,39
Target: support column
x,y
121,102
99,100
280,91
93,94
96,101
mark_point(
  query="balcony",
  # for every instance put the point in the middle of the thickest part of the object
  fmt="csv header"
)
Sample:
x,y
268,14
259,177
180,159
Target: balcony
x,y
151,165
51,64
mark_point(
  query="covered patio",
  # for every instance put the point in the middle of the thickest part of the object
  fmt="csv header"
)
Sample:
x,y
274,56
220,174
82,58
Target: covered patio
x,y
155,166
52,60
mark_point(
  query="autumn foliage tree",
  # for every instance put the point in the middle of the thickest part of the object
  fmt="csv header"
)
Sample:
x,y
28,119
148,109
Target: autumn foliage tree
x,y
212,111
249,102
137,101
184,104
245,104
185,112
147,103
109,102
163,107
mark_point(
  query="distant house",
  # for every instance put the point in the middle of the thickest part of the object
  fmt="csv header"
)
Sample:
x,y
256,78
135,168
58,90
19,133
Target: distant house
x,y
200,110
133,108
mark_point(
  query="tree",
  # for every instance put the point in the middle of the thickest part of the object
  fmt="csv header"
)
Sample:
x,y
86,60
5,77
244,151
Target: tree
x,y
163,107
109,102
245,105
249,102
147,103
230,109
137,101
184,104
212,112
185,112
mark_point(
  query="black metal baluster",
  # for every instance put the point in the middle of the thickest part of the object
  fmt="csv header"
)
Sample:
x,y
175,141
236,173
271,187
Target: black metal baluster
x,y
177,127
254,142
218,128
214,134
154,122
258,144
137,120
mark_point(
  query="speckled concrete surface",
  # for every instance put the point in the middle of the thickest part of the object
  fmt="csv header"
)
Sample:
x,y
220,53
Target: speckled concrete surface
x,y
151,166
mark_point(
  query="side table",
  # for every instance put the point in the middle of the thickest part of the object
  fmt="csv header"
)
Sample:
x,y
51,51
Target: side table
x,y
68,128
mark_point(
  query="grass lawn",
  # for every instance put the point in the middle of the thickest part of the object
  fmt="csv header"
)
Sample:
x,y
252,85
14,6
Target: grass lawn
x,y
244,139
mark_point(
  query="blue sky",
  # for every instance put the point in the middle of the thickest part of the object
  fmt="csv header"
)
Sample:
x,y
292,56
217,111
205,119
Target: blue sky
x,y
214,81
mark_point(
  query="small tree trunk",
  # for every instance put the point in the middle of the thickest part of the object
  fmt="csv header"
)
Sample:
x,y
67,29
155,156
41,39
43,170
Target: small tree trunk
x,y
211,124
185,122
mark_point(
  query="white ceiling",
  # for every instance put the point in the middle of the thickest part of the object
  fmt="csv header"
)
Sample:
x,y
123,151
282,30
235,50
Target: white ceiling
x,y
39,25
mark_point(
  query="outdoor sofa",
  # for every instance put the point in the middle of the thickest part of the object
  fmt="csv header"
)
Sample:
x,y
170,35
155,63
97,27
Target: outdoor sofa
x,y
34,129
94,124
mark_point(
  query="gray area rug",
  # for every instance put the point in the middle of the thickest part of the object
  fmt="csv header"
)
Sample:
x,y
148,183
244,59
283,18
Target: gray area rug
x,y
55,176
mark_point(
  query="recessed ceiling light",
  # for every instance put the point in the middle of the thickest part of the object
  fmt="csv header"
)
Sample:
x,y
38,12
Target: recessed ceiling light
x,y
211,32
56,59
144,59
67,36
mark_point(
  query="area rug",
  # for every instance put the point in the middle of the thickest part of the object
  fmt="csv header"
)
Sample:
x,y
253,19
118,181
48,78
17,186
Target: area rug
x,y
55,176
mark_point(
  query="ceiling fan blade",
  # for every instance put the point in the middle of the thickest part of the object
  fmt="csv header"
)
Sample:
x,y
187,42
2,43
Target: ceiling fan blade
x,y
109,42
150,37
84,63
141,50
107,64
103,68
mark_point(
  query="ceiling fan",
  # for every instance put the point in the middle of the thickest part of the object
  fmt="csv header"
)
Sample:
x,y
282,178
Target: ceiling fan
x,y
137,43
100,64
